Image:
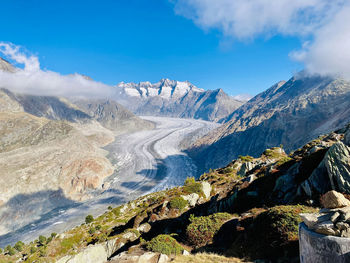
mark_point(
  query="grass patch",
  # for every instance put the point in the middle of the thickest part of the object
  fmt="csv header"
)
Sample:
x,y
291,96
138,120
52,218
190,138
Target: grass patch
x,y
245,159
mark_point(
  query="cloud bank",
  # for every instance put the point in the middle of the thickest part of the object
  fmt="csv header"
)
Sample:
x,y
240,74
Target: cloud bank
x,y
322,25
32,80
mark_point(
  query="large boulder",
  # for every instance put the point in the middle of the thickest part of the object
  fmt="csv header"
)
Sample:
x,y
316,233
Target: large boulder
x,y
337,162
333,199
315,248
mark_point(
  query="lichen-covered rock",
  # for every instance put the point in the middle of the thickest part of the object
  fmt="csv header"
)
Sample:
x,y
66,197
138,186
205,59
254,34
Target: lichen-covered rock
x,y
337,162
333,199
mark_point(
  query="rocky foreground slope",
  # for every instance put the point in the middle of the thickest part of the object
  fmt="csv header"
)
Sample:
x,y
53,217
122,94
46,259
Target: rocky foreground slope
x,y
172,98
248,210
289,113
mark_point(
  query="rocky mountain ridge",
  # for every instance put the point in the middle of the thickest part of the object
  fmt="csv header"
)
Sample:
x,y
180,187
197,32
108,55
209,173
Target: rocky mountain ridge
x,y
288,113
6,66
175,99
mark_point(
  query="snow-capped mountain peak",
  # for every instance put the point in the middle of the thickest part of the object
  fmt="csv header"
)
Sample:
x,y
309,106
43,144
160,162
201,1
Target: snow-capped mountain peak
x,y
165,88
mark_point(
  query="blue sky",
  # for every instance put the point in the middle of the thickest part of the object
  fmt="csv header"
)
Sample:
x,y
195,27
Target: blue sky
x,y
139,40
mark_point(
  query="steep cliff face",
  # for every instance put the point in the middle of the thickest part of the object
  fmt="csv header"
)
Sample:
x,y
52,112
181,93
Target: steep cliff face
x,y
289,113
176,99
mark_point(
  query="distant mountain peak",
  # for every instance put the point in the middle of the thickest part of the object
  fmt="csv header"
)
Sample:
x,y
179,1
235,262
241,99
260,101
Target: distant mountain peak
x,y
173,98
165,88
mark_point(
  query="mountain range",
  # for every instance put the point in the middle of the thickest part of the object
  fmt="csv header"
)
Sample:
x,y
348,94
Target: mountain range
x,y
289,113
176,99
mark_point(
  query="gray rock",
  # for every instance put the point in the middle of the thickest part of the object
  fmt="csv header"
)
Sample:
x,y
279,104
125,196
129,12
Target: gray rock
x,y
147,257
185,253
316,248
206,188
337,162
163,258
92,254
326,228
191,199
312,219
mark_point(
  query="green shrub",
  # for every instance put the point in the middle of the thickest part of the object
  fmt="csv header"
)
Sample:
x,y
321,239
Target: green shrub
x,y
246,159
201,230
89,219
0,250
42,240
110,207
53,235
272,234
33,250
116,211
192,186
165,244
10,250
92,230
19,246
71,241
42,252
178,203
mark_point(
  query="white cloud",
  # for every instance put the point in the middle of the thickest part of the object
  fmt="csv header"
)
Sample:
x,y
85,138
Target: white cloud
x,y
32,80
323,26
329,52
